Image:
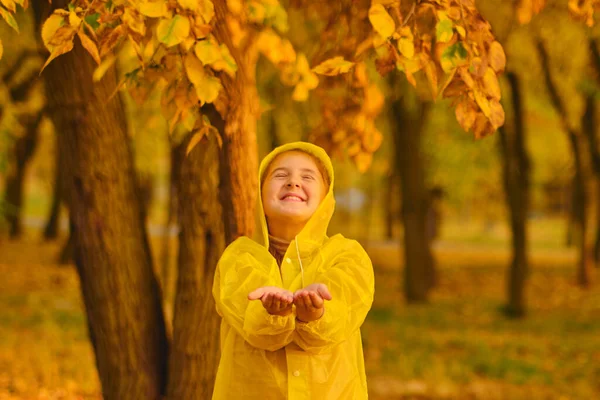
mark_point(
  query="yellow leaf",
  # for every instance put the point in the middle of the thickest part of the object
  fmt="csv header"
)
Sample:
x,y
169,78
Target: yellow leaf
x,y
134,20
382,21
492,87
275,49
207,10
406,47
172,31
406,43
207,87
300,92
57,51
1,50
363,161
333,66
154,9
89,45
10,20
482,102
371,140
497,115
74,20
103,67
49,29
150,48
432,77
373,102
465,114
226,63
189,4
10,4
497,58
208,52
196,138
187,43
235,6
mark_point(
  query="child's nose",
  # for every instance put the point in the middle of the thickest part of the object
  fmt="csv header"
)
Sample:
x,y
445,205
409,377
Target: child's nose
x,y
293,183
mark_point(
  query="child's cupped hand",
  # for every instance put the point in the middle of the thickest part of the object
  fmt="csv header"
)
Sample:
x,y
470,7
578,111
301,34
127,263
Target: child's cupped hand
x,y
276,301
309,301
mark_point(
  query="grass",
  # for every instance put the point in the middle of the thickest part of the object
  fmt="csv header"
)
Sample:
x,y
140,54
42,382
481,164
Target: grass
x,y
459,346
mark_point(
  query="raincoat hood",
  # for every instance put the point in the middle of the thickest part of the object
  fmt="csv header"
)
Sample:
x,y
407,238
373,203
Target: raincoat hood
x,y
314,232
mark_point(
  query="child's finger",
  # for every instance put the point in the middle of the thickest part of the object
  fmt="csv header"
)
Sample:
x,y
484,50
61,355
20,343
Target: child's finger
x,y
298,297
306,299
316,300
267,300
256,294
276,305
324,292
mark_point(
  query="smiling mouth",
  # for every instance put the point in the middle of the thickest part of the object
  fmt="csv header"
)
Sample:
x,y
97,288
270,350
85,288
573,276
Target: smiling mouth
x,y
292,198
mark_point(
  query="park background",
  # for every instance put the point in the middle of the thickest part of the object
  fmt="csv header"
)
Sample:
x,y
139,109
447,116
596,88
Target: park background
x,y
471,322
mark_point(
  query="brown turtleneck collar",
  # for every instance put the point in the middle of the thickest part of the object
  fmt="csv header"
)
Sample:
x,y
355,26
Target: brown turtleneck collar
x,y
278,247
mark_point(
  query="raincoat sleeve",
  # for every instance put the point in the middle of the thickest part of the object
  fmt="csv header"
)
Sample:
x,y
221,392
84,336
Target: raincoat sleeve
x,y
238,273
351,283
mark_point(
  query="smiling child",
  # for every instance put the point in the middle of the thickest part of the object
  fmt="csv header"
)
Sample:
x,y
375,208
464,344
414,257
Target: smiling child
x,y
293,300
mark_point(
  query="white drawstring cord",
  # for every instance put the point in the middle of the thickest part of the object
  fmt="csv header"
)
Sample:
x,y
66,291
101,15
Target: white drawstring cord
x,y
299,261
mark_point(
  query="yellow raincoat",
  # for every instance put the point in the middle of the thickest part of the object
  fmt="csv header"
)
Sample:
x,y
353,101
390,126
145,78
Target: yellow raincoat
x,y
270,357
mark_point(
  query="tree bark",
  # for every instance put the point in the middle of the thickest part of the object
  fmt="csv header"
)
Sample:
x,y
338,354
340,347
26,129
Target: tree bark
x,y
112,255
591,133
239,155
24,148
195,347
580,211
51,229
516,166
419,267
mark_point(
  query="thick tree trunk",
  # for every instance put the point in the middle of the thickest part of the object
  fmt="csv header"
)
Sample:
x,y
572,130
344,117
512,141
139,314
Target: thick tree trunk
x,y
52,224
419,265
516,186
195,346
168,271
120,291
591,133
23,150
239,155
580,211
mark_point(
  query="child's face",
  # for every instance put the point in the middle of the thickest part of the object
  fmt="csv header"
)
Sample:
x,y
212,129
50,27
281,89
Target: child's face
x,y
293,188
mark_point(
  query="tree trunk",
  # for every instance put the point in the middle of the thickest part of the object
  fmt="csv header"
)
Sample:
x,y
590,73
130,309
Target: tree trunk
x,y
23,150
167,269
112,255
580,211
195,347
51,229
419,266
239,155
516,186
591,133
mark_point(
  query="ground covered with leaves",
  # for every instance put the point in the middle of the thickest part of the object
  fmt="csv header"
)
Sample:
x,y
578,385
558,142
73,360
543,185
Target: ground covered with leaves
x,y
460,346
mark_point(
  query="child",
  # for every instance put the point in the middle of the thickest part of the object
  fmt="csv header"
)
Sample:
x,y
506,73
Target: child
x,y
293,301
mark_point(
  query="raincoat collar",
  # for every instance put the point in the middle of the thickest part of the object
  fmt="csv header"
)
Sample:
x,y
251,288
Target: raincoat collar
x,y
314,232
